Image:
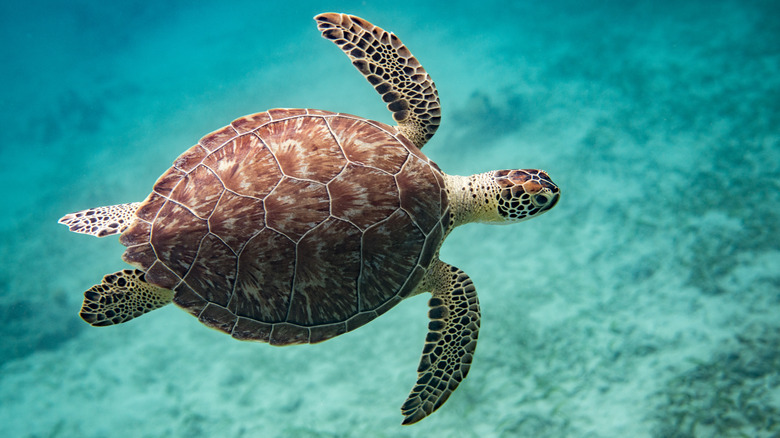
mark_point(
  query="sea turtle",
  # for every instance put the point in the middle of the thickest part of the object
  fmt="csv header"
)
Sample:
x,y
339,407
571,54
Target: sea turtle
x,y
293,226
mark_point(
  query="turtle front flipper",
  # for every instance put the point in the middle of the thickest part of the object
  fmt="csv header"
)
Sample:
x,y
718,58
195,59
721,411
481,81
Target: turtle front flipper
x,y
122,296
101,221
451,340
393,71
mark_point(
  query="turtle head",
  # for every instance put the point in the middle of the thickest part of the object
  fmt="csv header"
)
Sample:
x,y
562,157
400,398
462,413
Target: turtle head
x,y
522,194
501,196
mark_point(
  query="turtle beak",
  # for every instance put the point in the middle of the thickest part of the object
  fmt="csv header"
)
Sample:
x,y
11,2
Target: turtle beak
x,y
552,203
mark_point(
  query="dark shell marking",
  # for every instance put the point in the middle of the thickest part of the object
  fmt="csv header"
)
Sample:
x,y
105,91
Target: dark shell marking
x,y
292,226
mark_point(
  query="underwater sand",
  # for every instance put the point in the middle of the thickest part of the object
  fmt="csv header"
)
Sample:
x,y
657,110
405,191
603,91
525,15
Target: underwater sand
x,y
645,304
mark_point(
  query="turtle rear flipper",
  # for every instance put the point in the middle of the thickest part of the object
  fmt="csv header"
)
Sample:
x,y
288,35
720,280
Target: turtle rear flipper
x,y
101,221
122,296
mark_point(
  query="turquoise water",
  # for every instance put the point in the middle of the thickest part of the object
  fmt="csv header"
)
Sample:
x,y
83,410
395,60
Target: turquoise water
x,y
646,303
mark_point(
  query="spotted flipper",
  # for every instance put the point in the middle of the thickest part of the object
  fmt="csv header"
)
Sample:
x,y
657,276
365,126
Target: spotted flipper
x,y
389,66
451,341
122,296
101,221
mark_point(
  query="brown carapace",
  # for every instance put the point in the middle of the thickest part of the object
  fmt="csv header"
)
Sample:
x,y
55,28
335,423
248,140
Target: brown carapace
x,y
293,226
288,239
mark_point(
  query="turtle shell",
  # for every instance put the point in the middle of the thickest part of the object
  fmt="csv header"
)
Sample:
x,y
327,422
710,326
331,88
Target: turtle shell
x,y
292,225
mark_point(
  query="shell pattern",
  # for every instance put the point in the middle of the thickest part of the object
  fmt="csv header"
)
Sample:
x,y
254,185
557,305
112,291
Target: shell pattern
x,y
292,225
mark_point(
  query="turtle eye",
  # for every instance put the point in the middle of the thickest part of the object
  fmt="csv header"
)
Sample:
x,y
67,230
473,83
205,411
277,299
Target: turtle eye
x,y
541,199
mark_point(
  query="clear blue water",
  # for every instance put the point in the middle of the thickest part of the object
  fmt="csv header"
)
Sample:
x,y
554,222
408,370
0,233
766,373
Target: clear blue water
x,y
646,303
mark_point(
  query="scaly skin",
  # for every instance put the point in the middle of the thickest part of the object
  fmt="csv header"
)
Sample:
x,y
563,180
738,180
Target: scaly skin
x,y
500,196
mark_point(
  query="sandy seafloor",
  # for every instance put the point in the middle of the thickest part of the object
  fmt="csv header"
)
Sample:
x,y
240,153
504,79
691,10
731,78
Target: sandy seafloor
x,y
646,304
